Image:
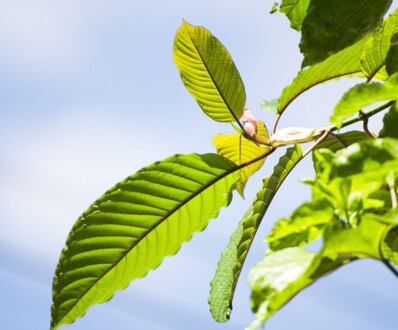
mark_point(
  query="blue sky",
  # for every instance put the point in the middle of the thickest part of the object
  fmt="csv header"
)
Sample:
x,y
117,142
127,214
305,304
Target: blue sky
x,y
88,95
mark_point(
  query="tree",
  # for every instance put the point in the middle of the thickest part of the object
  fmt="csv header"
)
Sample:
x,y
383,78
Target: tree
x,y
134,225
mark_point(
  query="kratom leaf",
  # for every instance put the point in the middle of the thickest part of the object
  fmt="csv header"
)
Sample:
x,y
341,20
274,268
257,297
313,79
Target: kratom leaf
x,y
282,274
390,123
390,244
343,63
238,149
377,45
392,56
269,105
209,73
305,225
333,25
133,226
232,259
295,10
336,142
363,95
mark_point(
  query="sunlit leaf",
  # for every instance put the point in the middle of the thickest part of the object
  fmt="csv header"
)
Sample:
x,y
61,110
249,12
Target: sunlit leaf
x,y
133,226
305,225
232,259
377,45
295,10
333,25
282,274
392,55
364,95
343,63
390,123
237,148
336,142
209,73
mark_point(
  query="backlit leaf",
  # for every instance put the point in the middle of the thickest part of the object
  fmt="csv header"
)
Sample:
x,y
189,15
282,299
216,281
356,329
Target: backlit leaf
x,y
238,149
343,63
209,73
364,95
133,226
377,45
295,10
333,25
233,257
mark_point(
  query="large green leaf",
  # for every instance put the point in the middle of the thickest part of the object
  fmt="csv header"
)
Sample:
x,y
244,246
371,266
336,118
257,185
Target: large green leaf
x,y
295,10
237,148
336,142
277,278
209,74
377,45
390,123
333,25
343,63
232,259
305,225
392,55
363,95
133,226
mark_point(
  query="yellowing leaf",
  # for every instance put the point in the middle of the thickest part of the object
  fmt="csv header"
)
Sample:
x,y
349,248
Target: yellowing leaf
x,y
238,149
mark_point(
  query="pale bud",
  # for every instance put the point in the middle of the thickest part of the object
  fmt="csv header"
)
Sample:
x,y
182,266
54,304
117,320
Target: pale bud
x,y
249,123
294,135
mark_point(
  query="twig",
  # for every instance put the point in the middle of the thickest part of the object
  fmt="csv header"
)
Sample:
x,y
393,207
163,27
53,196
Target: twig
x,y
318,141
390,266
365,119
276,122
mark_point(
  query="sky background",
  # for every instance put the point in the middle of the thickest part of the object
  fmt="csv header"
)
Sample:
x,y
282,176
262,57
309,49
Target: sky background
x,y
88,95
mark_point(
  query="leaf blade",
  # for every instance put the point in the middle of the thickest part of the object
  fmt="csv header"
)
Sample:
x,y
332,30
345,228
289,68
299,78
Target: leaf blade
x,y
132,225
209,73
233,257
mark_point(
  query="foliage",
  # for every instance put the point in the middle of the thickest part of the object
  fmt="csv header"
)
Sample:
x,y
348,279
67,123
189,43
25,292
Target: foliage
x,y
352,213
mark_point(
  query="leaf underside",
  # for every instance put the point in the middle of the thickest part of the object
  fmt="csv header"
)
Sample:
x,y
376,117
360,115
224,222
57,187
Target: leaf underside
x,y
209,73
133,226
233,257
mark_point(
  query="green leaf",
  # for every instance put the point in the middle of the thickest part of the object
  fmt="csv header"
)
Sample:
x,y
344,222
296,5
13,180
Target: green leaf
x,y
277,278
377,45
363,95
343,63
390,244
333,25
392,56
269,105
238,149
209,73
306,224
133,226
232,259
336,142
295,10
390,123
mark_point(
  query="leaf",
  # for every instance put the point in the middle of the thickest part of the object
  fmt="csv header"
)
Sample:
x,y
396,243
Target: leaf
x,y
133,226
343,63
238,149
333,25
390,245
306,224
233,257
390,123
209,73
377,45
277,278
269,105
336,142
363,95
392,56
295,10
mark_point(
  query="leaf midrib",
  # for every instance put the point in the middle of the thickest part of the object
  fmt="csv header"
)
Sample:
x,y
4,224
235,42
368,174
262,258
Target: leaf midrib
x,y
222,176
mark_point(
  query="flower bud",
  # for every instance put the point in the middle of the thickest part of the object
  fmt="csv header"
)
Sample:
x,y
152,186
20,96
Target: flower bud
x,y
294,135
249,123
